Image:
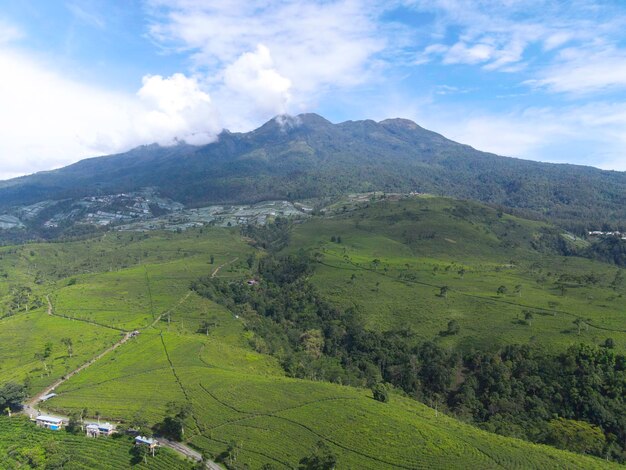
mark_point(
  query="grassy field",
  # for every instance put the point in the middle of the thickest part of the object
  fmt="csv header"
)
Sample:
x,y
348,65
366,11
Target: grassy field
x,y
394,258
136,281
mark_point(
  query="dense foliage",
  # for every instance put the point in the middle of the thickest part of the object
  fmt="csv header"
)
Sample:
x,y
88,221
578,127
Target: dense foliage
x,y
518,391
312,158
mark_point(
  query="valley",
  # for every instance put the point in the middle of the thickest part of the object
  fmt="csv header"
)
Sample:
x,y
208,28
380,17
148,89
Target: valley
x,y
386,260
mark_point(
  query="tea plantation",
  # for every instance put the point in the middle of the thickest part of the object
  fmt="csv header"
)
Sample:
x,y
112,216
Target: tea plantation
x,y
390,265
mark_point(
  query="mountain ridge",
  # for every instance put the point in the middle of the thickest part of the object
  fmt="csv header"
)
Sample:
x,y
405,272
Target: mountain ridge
x,y
308,157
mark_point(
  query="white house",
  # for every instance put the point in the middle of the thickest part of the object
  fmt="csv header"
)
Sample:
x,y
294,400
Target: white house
x,y
49,422
97,429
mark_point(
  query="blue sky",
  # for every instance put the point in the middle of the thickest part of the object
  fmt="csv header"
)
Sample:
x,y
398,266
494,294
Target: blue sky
x,y
543,80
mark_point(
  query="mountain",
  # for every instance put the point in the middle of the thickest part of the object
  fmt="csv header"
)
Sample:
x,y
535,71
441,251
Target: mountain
x,y
307,157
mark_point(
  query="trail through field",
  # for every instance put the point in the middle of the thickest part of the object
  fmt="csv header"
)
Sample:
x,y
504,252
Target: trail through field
x,y
217,270
34,400
168,311
53,313
30,409
188,452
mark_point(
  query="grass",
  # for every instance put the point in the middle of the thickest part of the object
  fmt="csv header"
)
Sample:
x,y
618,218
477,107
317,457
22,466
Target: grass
x,y
138,281
393,260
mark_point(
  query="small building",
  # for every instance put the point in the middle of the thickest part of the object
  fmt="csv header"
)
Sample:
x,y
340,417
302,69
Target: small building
x,y
49,422
149,442
48,396
97,429
252,282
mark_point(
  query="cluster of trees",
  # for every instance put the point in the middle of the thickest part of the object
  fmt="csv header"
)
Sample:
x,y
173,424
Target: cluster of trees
x,y
519,391
11,396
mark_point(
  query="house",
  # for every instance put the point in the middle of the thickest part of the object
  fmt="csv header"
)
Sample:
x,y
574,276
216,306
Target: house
x,y
49,422
48,396
149,442
97,429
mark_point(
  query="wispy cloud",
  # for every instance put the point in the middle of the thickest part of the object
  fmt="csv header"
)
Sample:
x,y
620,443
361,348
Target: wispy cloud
x,y
584,70
86,14
9,32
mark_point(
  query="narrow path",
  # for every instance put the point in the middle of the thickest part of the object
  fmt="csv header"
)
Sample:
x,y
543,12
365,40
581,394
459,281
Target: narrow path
x,y
188,452
169,310
217,270
30,407
34,400
84,320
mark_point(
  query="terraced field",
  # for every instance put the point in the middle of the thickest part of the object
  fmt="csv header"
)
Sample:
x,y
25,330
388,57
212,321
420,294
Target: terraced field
x,y
241,397
23,445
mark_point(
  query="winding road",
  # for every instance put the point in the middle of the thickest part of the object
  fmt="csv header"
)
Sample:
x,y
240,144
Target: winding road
x,y
29,407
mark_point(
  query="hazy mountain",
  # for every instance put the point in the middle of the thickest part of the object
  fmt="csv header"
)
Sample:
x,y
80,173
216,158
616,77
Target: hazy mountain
x,y
309,157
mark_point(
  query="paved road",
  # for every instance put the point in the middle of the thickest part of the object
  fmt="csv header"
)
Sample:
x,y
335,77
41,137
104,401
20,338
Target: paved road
x,y
188,452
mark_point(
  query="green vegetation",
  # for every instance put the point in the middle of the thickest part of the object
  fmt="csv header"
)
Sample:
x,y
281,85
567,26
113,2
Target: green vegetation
x,y
211,369
319,160
22,445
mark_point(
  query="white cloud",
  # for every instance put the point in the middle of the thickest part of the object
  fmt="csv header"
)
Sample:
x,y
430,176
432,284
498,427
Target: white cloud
x,y
584,70
47,121
88,17
9,32
308,47
175,109
252,87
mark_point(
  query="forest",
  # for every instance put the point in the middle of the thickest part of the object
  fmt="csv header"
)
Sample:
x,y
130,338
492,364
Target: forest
x,y
572,400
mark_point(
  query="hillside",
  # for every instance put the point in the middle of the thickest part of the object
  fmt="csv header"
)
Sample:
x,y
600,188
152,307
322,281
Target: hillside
x,y
194,351
395,256
307,157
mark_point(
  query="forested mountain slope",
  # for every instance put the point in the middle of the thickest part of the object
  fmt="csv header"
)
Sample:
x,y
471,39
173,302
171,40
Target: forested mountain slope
x,y
306,157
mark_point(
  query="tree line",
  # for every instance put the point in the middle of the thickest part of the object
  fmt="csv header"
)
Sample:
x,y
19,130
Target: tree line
x,y
572,400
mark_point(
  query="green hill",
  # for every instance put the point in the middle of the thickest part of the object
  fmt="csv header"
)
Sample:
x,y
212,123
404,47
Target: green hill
x,y
395,256
243,407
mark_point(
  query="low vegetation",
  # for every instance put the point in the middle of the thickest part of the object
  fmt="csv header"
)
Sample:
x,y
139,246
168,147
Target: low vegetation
x,y
293,349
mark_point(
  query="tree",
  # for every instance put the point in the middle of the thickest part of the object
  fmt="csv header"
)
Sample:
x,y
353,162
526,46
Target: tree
x,y
518,290
233,450
461,272
453,327
47,349
502,290
322,458
69,345
528,316
443,291
173,424
140,453
380,392
206,326
212,259
609,343
577,436
11,395
578,322
313,342
74,424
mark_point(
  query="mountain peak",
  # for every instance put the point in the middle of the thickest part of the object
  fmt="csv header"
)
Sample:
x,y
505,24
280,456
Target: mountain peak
x,y
400,122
